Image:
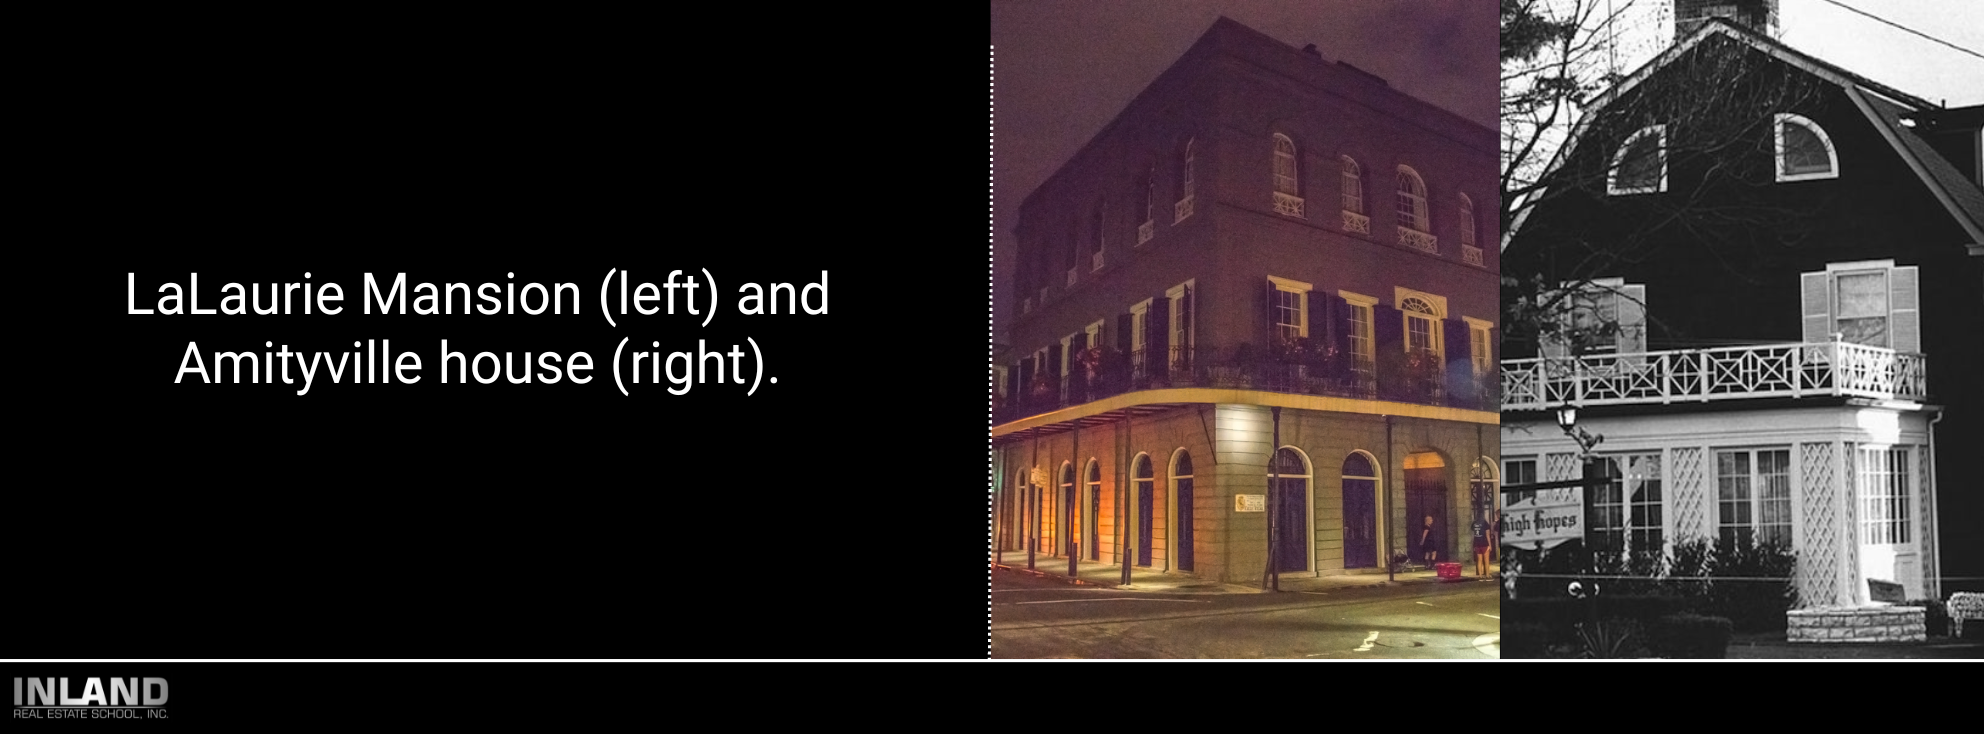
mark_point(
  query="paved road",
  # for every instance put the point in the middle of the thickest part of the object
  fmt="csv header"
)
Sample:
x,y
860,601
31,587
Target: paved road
x,y
1036,618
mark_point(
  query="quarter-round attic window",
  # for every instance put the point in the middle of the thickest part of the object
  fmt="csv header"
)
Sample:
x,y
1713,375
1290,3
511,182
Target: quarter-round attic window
x,y
1640,166
1803,150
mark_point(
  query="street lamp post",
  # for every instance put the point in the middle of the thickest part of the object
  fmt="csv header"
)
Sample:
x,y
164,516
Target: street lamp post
x,y
1567,419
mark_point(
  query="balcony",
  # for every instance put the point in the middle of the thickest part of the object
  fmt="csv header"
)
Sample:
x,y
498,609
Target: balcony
x,y
1832,369
1418,240
1244,368
1288,204
1354,222
1146,231
1470,254
1182,209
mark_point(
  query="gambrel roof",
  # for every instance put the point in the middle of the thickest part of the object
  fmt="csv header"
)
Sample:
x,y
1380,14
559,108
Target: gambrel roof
x,y
1885,108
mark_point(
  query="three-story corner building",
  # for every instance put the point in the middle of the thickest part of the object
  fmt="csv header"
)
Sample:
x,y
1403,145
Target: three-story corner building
x,y
1268,265
1797,310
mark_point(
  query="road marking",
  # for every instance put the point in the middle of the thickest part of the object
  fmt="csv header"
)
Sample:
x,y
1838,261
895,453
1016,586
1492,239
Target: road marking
x,y
1490,616
1490,645
1368,642
1113,598
1421,602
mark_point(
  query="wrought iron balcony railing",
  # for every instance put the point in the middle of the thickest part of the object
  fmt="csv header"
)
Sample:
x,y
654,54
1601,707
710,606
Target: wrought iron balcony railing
x,y
1246,369
1721,373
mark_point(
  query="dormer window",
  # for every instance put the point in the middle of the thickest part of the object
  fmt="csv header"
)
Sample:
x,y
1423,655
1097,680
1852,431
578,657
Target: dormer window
x,y
1803,151
1640,166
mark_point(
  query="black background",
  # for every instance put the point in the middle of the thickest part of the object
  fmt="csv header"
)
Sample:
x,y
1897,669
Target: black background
x,y
836,514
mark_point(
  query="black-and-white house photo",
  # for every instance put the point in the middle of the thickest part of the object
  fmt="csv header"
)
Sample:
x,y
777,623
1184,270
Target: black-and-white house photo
x,y
1743,307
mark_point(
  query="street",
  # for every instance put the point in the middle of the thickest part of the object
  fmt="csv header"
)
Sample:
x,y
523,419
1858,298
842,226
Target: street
x,y
1034,618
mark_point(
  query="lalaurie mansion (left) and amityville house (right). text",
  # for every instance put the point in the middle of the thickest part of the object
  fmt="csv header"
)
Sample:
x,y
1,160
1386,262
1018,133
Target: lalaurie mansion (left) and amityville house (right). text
x,y
1255,328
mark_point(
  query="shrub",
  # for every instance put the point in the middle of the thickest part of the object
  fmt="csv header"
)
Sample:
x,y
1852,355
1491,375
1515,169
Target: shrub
x,y
1752,605
1525,640
1935,616
1691,636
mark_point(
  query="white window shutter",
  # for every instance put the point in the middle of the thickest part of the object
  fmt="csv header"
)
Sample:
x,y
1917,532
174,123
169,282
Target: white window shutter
x,y
1817,309
1632,319
1555,346
1904,311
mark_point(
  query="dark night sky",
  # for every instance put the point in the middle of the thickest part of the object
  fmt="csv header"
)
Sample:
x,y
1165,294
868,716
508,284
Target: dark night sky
x,y
1064,68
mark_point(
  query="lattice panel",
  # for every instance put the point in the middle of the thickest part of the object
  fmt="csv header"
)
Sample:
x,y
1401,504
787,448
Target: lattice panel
x,y
1849,510
1927,543
1557,467
1689,495
1818,529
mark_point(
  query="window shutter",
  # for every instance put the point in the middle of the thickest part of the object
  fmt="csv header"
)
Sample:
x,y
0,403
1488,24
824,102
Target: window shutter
x,y
1817,309
1318,317
1054,362
1459,376
1339,333
1555,346
1388,330
1124,322
1904,310
1267,309
1157,330
1185,314
1632,319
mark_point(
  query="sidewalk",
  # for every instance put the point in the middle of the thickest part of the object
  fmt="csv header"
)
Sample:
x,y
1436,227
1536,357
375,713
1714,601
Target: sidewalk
x,y
1109,575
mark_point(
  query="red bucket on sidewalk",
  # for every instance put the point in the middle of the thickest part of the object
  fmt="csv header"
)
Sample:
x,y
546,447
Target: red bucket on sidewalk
x,y
1448,570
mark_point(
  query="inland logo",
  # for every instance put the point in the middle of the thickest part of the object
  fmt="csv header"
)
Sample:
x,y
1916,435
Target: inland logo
x,y
90,698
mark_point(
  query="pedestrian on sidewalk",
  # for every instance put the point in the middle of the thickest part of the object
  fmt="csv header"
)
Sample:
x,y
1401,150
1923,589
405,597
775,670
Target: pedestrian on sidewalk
x,y
1426,543
1480,546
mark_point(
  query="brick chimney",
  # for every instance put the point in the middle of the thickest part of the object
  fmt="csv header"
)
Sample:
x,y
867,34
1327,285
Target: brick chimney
x,y
1757,15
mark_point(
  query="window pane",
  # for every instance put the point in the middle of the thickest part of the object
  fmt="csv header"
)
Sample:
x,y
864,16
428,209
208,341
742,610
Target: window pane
x,y
1803,152
1640,167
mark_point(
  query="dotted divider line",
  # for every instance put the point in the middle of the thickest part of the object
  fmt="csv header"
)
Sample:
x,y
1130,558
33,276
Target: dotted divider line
x,y
991,337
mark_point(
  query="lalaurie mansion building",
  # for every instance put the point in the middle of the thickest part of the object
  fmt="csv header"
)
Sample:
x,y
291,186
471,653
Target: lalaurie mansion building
x,y
1255,327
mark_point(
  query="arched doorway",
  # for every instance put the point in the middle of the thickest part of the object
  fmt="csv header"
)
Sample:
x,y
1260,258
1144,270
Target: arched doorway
x,y
1290,475
1484,499
1426,496
1068,514
1145,485
1094,489
1181,502
1360,511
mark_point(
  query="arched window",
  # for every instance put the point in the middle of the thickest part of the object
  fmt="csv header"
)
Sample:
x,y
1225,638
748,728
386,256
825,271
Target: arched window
x,y
1640,166
1067,512
1181,502
1185,180
1411,200
1094,490
1095,229
1422,326
1284,166
1186,185
1289,471
1466,221
1353,186
1145,486
1360,512
1146,205
1804,152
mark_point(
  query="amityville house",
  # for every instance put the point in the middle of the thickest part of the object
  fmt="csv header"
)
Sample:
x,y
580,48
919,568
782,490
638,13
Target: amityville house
x,y
1769,274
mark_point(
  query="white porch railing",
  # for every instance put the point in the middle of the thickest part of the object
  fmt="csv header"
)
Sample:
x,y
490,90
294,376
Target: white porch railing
x,y
1721,373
